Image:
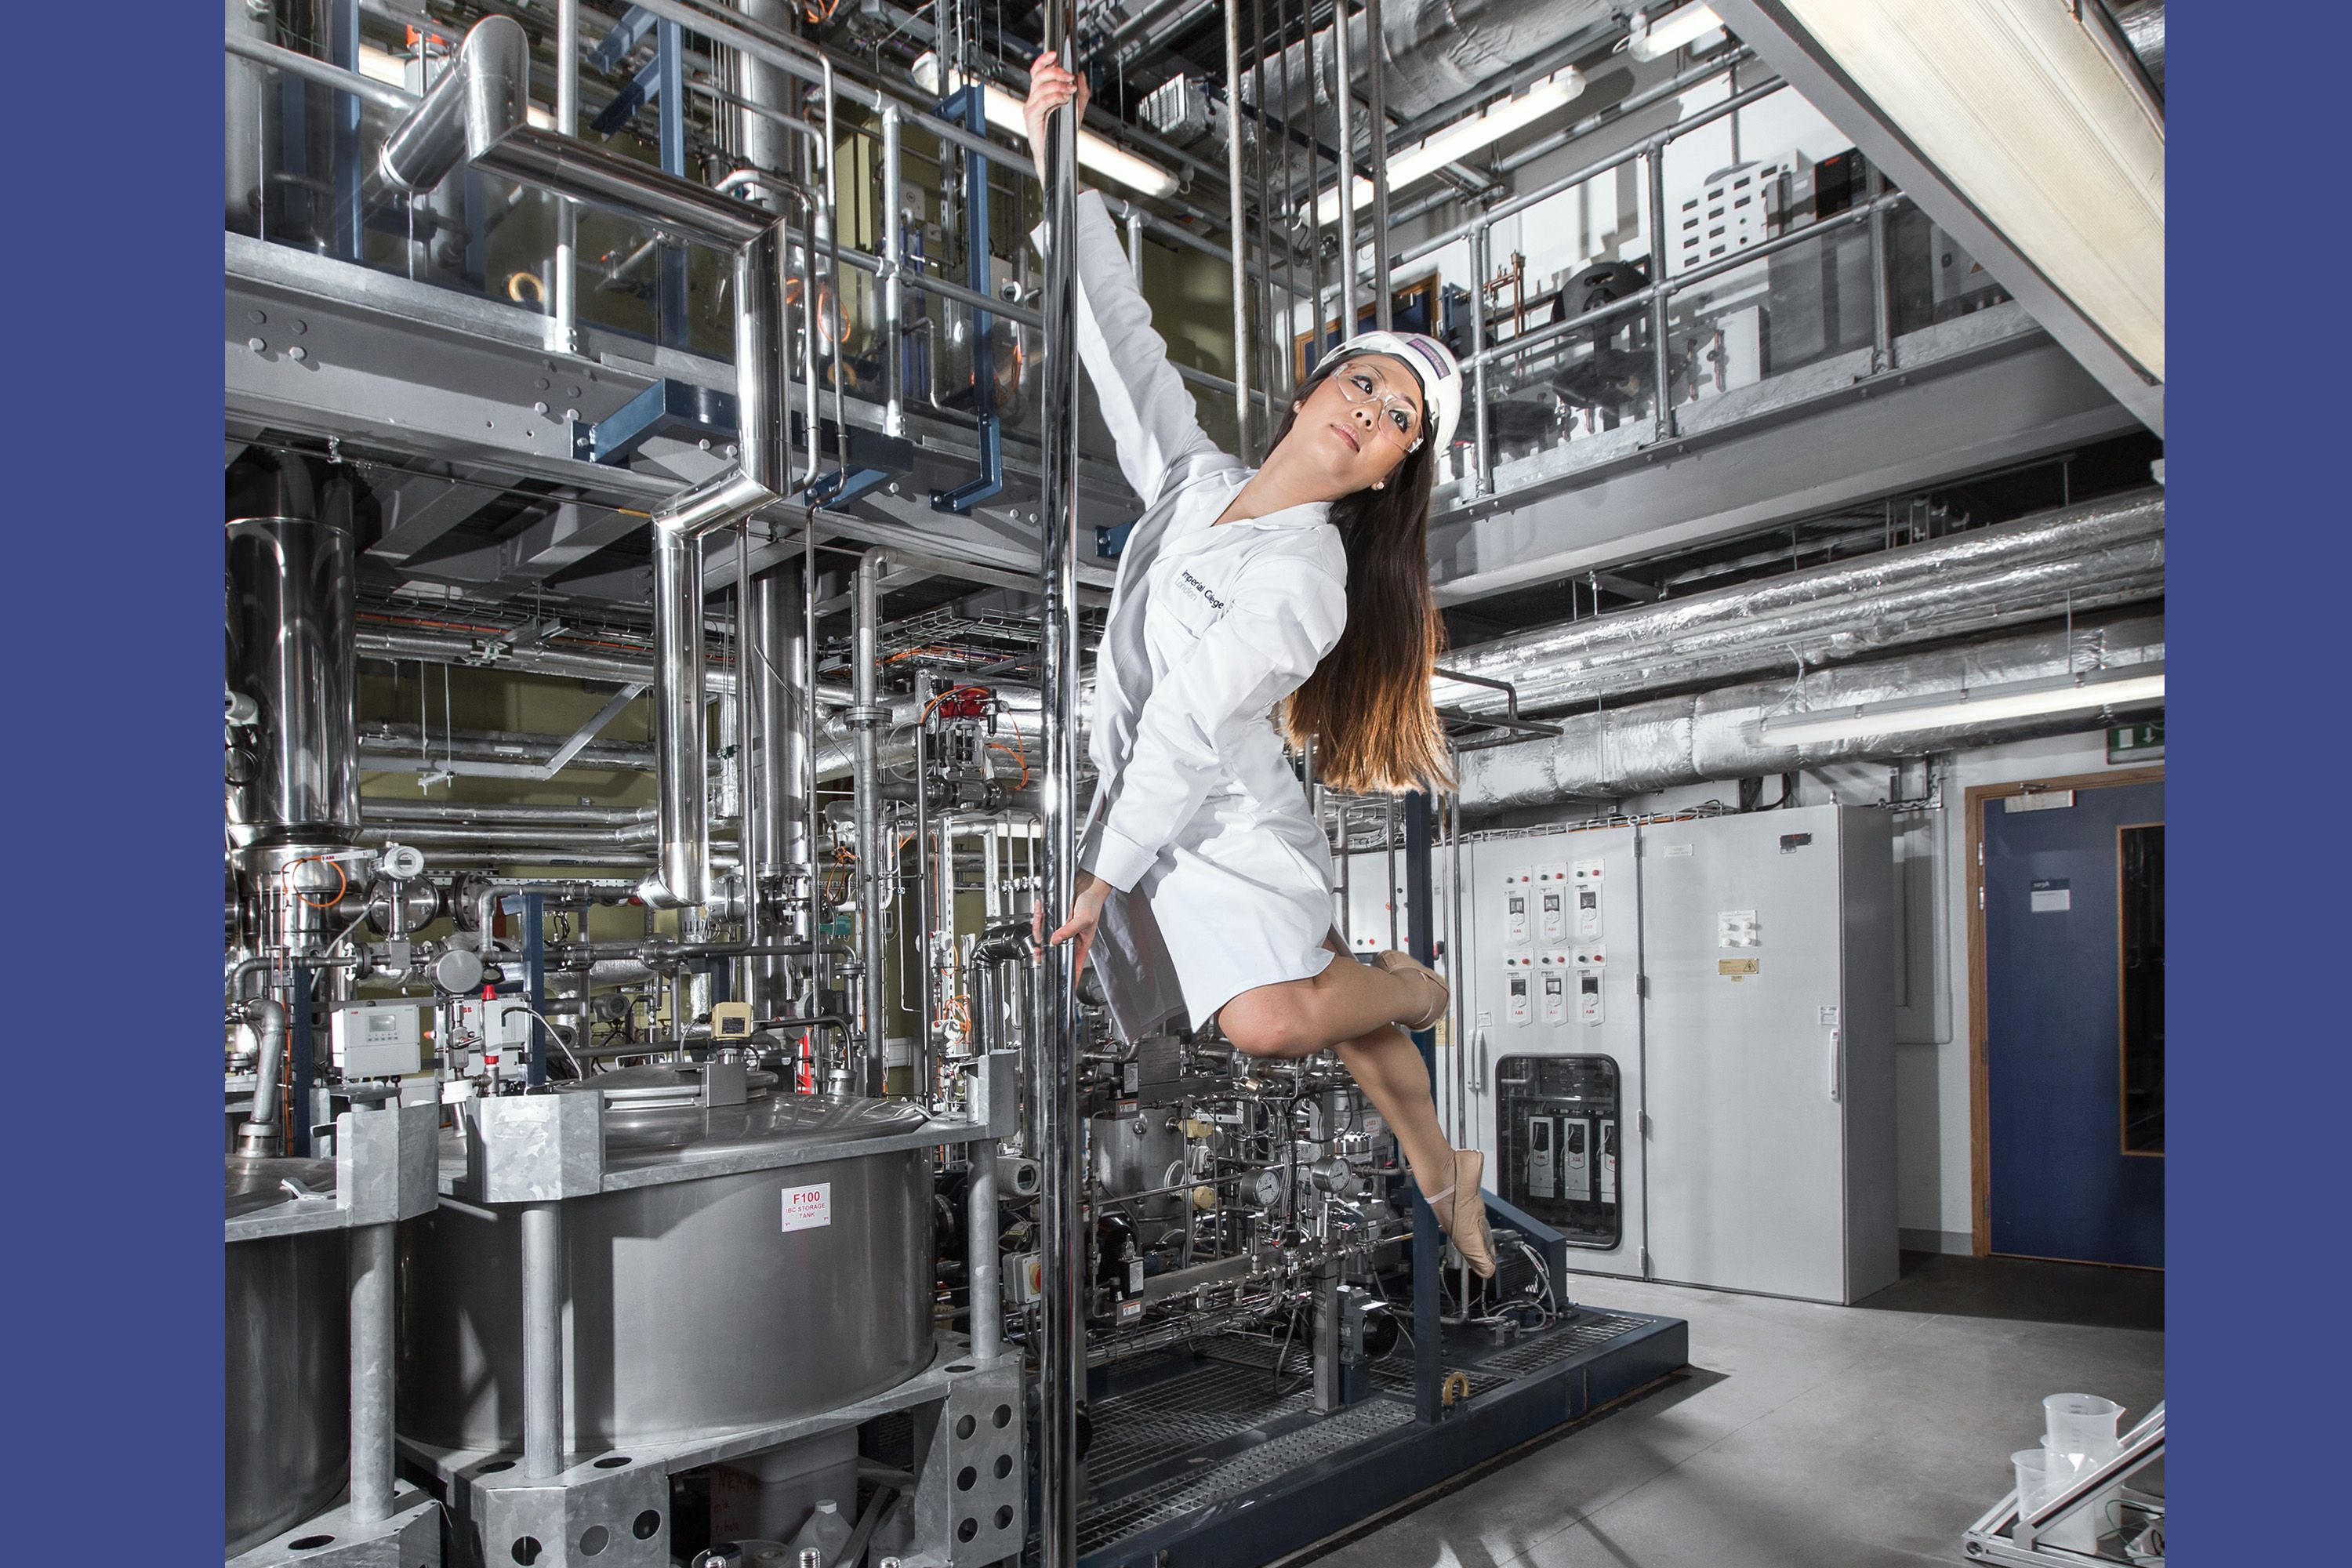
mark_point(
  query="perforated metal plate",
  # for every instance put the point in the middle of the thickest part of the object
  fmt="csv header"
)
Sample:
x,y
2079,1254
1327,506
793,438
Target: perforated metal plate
x,y
1533,1355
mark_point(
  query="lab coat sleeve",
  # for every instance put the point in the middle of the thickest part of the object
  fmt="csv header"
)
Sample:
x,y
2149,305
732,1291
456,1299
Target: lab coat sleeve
x,y
1264,647
1150,413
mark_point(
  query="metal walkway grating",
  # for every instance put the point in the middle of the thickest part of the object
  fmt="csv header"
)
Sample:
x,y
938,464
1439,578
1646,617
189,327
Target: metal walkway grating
x,y
1560,1343
1122,1517
1209,1404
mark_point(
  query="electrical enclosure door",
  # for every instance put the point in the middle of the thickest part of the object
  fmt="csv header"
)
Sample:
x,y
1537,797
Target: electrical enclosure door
x,y
2060,1184
1769,1051
1551,928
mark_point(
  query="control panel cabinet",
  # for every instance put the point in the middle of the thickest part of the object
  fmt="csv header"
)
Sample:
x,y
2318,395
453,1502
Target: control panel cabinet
x,y
1680,1046
1554,1033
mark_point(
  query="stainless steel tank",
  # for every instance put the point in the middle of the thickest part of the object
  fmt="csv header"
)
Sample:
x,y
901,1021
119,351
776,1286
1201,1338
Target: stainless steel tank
x,y
288,1381
1141,1152
690,1308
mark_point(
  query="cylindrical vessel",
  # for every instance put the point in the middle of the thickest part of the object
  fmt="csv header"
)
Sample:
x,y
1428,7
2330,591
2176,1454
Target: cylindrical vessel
x,y
286,1390
677,1298
1139,1154
290,650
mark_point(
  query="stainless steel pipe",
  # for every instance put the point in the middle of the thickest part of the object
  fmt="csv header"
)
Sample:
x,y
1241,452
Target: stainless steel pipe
x,y
267,1019
1343,103
982,1270
372,1258
1235,200
542,1340
865,671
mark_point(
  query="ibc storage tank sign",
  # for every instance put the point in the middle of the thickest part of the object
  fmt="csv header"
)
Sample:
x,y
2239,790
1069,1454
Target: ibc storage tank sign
x,y
807,1208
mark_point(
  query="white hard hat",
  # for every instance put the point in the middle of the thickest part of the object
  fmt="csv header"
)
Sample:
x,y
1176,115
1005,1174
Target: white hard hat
x,y
1431,363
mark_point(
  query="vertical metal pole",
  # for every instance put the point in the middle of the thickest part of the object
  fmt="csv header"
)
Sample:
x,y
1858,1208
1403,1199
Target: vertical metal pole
x,y
1881,324
1389,897
669,52
1266,338
1482,459
1314,170
1288,227
1383,305
305,1050
865,665
1427,1333
1662,366
534,979
563,288
811,839
925,1075
894,393
1063,1344
1343,99
542,1340
344,50
1458,973
752,739
979,1236
371,1261
1239,236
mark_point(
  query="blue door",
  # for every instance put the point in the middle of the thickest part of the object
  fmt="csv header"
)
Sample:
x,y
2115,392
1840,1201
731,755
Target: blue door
x,y
2074,1024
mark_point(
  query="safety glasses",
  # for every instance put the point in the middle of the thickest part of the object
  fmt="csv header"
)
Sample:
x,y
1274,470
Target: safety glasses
x,y
1399,416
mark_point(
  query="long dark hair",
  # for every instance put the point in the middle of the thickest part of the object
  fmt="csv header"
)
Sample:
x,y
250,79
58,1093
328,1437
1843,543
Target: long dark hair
x,y
1367,703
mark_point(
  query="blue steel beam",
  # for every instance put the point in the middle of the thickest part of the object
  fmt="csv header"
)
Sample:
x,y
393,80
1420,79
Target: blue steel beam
x,y
964,107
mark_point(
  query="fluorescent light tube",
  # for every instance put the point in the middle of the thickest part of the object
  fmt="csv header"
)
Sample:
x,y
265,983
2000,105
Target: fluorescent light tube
x,y
2026,116
2130,687
1654,40
1464,137
1113,163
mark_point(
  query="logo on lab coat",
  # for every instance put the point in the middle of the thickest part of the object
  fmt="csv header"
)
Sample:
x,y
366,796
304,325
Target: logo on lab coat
x,y
1202,589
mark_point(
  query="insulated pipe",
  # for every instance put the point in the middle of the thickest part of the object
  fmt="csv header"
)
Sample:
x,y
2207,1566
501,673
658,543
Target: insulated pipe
x,y
1062,1339
894,396
987,1310
2091,556
542,1340
1693,740
371,1261
681,775
258,1136
480,96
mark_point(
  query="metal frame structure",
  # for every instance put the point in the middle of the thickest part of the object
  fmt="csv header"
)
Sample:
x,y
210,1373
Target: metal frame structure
x,y
2007,1535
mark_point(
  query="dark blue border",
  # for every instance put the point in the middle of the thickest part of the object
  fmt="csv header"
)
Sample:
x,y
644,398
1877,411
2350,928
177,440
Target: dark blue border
x,y
2260,1049
113,608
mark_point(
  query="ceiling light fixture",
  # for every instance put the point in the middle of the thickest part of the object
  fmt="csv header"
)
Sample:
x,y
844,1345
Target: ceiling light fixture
x,y
1653,40
2132,686
1113,163
1464,137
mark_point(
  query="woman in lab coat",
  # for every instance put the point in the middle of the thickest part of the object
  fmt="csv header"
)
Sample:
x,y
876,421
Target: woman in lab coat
x,y
1299,587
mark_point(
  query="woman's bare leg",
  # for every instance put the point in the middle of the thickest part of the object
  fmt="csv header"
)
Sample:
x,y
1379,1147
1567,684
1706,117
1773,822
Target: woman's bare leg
x,y
1298,1017
1395,1080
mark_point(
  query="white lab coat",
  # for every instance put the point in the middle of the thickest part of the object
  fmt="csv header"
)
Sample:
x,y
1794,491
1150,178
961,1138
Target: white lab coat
x,y
1223,877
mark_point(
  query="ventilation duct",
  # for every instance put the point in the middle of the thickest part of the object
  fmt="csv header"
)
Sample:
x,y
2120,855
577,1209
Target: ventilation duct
x,y
2087,558
1695,740
1432,52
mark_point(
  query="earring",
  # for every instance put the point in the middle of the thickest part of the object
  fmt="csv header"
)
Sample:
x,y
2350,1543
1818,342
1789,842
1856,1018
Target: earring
x,y
1379,484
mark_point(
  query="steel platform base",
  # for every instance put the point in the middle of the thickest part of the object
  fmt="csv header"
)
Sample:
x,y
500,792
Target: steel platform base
x,y
1201,1458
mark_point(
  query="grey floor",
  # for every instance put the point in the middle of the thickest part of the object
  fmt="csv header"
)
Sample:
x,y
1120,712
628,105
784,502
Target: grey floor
x,y
1860,1436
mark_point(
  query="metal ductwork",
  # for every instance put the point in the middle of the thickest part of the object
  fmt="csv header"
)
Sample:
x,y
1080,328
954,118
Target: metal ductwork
x,y
405,748
2142,22
2088,557
1432,51
1714,735
377,640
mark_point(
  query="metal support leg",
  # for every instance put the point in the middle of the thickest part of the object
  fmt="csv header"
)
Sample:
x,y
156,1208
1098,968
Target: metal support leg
x,y
1662,364
542,1340
371,1261
1427,1335
980,1235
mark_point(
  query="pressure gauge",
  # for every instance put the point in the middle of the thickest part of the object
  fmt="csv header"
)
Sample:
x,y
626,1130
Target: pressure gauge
x,y
400,861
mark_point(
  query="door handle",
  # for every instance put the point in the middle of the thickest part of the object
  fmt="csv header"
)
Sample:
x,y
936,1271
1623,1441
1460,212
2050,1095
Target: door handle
x,y
1837,1067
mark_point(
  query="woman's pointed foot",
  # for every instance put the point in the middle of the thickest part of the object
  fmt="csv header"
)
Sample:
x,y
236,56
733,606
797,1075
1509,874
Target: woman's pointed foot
x,y
1397,963
1461,1210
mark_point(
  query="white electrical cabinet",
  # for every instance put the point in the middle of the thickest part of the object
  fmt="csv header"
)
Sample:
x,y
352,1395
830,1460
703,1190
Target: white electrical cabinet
x,y
1728,986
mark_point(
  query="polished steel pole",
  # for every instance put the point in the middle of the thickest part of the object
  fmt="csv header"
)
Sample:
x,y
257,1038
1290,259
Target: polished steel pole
x,y
1383,305
371,1259
563,292
1238,207
542,1340
1062,1348
1343,103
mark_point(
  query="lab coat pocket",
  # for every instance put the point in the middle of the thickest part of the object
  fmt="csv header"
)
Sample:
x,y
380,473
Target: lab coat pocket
x,y
1194,603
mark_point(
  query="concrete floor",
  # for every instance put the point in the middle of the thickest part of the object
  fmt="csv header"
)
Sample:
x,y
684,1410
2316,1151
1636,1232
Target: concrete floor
x,y
1862,1436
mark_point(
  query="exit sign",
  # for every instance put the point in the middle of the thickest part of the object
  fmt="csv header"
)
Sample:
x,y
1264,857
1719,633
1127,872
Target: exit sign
x,y
2135,742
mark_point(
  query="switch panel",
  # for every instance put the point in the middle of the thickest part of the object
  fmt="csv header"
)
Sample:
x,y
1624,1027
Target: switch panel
x,y
1518,983
1606,1160
1576,1159
1552,901
1552,967
1542,1166
1588,996
1519,889
1584,888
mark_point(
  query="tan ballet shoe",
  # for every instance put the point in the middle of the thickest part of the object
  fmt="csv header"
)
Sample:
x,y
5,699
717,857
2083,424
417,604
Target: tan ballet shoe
x,y
1461,1211
1397,963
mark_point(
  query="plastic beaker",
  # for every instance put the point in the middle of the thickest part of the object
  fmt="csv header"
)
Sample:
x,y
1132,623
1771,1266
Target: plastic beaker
x,y
2080,1424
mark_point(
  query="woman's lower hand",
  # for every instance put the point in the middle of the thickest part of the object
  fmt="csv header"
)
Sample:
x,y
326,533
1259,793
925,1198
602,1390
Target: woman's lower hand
x,y
1086,912
1051,86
